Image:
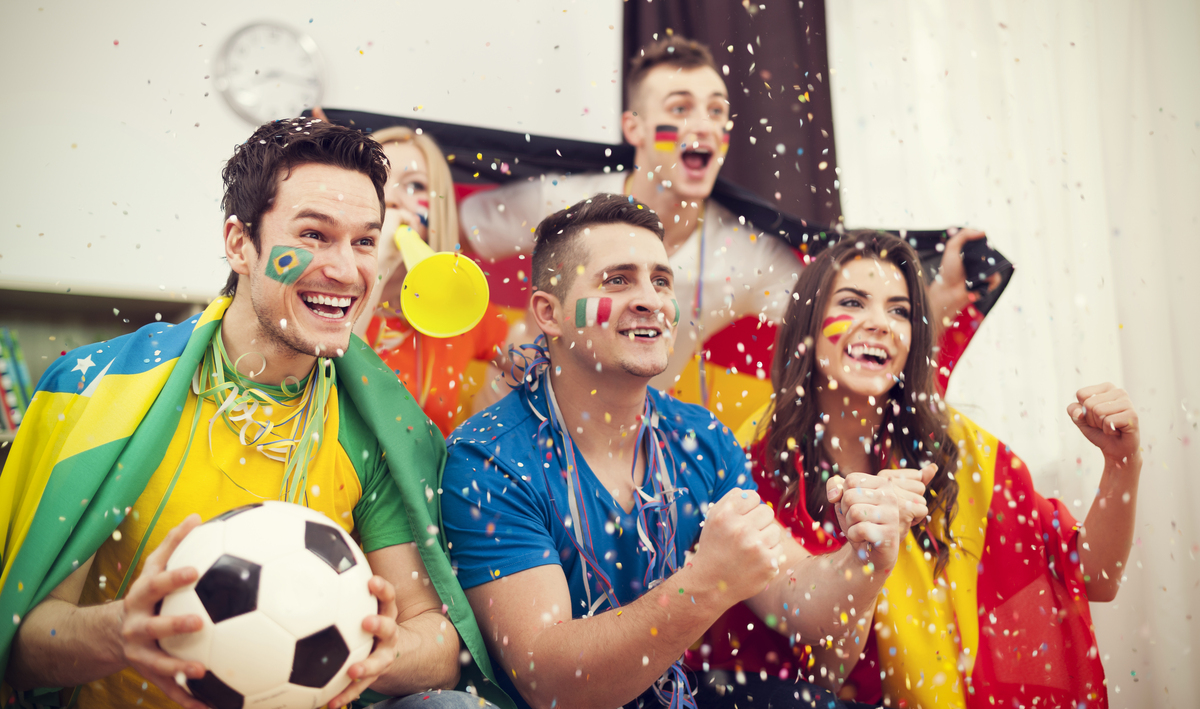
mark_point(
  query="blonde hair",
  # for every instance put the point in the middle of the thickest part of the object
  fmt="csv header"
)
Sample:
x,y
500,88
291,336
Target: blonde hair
x,y
443,211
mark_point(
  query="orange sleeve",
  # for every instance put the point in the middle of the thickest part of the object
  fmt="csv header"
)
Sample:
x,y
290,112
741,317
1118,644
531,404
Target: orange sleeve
x,y
490,333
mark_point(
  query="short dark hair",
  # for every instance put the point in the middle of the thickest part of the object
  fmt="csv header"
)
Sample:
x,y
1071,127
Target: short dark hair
x,y
252,175
671,50
557,253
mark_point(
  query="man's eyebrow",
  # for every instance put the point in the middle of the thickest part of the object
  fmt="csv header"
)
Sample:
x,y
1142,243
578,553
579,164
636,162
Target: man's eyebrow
x,y
617,267
326,219
662,268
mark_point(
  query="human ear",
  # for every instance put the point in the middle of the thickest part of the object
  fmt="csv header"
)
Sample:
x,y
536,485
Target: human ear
x,y
238,245
632,128
546,308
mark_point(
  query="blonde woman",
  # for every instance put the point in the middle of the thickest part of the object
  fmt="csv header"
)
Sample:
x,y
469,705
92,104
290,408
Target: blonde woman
x,y
420,194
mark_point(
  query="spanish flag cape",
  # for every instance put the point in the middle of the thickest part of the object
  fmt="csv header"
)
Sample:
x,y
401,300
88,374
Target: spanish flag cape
x,y
94,435
1006,623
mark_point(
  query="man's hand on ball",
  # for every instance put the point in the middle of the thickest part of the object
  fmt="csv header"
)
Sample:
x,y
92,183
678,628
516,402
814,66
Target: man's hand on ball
x,y
383,627
141,628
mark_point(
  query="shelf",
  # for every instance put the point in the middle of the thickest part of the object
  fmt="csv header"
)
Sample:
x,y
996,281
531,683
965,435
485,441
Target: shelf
x,y
49,323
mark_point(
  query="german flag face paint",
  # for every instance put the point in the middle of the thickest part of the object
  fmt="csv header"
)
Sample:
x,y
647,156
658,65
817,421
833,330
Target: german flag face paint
x,y
592,311
287,264
666,138
834,328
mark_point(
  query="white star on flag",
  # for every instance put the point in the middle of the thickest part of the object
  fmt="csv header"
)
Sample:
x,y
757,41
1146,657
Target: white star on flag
x,y
83,365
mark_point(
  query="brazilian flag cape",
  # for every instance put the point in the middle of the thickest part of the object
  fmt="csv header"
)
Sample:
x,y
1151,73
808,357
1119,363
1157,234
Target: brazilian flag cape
x,y
100,423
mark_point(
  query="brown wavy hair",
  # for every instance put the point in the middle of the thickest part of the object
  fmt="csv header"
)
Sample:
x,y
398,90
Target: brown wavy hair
x,y
913,430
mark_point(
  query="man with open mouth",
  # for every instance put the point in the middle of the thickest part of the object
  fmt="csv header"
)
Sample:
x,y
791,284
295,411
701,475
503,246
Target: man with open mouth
x,y
266,395
678,120
570,506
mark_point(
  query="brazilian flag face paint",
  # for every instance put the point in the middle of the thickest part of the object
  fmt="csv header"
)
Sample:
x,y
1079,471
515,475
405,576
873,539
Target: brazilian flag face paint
x,y
675,303
288,263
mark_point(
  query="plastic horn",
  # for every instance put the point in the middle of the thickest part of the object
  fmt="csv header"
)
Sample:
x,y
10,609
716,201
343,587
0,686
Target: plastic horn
x,y
444,294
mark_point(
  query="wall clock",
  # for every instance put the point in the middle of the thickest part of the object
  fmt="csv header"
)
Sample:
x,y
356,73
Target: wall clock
x,y
267,71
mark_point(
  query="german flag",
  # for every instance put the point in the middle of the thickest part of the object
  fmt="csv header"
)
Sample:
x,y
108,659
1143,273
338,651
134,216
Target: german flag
x,y
666,138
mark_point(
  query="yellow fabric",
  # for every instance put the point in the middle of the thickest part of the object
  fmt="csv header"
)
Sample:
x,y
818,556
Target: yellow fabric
x,y
732,396
924,620
750,431
333,489
70,426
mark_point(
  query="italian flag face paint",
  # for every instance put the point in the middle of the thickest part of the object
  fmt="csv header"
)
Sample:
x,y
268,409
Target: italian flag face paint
x,y
665,138
592,311
834,328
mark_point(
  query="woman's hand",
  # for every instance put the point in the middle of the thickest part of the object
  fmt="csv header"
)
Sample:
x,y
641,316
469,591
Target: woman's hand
x,y
1105,416
868,512
910,490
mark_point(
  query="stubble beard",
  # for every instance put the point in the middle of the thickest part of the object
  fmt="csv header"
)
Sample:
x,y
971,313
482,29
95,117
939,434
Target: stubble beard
x,y
280,341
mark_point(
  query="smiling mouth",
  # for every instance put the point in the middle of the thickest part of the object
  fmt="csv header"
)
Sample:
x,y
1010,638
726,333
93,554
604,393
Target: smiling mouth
x,y
869,355
330,307
645,334
696,159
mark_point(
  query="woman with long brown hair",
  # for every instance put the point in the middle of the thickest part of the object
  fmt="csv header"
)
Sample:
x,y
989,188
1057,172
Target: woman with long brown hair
x,y
988,602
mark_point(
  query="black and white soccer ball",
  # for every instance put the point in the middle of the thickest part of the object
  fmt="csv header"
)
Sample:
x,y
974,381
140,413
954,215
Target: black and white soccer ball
x,y
282,591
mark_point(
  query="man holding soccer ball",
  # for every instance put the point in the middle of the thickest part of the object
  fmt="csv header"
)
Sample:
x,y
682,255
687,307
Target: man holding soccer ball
x,y
265,396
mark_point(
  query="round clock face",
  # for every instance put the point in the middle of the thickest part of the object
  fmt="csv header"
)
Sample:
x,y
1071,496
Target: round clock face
x,y
266,71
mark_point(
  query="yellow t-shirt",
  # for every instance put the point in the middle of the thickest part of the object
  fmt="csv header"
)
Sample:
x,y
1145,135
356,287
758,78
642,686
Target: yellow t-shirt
x,y
363,499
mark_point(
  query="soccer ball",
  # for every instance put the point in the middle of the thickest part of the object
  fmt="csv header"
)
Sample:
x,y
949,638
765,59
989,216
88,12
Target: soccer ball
x,y
283,593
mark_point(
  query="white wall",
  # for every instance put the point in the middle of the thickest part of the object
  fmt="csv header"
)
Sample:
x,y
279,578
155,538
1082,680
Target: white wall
x,y
112,153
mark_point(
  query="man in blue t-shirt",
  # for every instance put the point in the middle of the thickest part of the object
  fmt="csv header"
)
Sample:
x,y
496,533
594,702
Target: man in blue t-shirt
x,y
600,527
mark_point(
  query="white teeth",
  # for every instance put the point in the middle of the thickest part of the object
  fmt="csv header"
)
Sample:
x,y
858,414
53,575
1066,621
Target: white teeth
x,y
330,300
859,349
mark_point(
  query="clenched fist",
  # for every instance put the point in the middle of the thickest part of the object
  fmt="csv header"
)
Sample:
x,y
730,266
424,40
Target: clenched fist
x,y
739,549
868,511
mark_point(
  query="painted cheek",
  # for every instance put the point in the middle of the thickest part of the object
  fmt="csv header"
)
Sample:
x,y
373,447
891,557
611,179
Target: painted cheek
x,y
592,311
833,328
287,263
724,144
665,138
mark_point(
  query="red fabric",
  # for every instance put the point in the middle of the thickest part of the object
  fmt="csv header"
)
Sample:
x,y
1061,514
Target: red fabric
x,y
1030,581
1031,597
954,343
442,359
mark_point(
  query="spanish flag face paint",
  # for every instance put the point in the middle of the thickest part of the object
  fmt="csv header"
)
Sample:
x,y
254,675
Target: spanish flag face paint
x,y
666,138
592,311
834,328
287,264
724,144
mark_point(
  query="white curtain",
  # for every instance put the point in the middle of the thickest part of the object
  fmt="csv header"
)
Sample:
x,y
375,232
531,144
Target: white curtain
x,y
1069,132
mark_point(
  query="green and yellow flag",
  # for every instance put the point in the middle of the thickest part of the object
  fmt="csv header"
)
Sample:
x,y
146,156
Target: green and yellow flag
x,y
100,423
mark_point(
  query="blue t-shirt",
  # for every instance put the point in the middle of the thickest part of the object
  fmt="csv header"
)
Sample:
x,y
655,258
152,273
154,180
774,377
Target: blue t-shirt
x,y
499,482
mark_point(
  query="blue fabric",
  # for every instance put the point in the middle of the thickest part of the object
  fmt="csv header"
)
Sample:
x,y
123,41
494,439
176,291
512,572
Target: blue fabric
x,y
499,519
